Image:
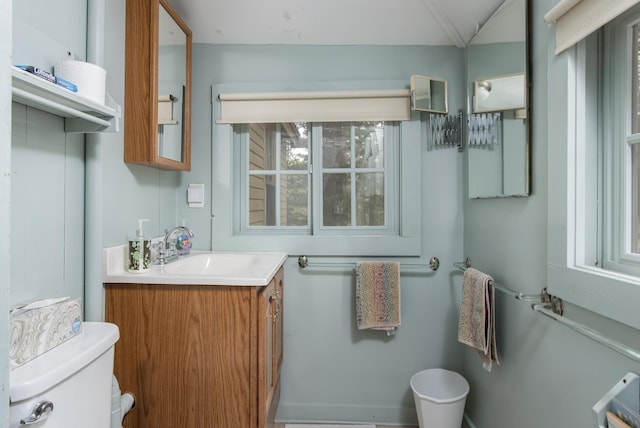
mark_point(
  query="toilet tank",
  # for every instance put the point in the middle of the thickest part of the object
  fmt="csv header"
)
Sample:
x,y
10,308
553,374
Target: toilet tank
x,y
75,377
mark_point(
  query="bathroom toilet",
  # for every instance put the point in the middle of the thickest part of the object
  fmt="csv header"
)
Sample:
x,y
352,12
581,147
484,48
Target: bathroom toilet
x,y
69,386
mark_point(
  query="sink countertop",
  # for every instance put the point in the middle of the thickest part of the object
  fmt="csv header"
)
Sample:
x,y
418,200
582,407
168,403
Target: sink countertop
x,y
263,266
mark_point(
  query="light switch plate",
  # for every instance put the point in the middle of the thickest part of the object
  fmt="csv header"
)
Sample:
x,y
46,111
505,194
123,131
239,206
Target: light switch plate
x,y
195,195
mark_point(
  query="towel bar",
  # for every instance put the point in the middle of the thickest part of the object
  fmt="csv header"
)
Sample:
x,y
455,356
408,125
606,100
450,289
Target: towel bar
x,y
520,296
551,307
303,262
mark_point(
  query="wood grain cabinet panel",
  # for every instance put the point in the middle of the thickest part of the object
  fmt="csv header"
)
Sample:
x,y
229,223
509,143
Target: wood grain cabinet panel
x,y
198,356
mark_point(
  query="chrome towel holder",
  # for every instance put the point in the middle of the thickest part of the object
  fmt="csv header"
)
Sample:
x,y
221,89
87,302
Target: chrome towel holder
x,y
303,262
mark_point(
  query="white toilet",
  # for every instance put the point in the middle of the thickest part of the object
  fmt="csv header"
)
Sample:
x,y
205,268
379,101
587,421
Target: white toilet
x,y
69,386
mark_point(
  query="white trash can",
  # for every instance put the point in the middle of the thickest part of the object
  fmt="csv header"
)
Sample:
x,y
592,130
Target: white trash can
x,y
440,396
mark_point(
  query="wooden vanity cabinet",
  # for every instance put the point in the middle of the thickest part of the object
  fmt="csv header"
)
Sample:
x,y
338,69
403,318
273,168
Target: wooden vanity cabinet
x,y
198,356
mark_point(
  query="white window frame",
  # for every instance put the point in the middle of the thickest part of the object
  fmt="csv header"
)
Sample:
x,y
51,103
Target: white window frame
x,y
579,226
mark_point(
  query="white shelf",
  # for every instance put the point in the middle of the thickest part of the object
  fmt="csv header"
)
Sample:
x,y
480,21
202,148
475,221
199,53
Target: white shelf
x,y
81,114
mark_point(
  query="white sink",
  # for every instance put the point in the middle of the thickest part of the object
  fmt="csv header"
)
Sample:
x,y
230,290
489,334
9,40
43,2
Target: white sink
x,y
199,268
223,264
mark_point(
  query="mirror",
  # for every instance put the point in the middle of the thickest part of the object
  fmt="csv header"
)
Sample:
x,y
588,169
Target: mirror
x,y
499,93
158,97
497,81
172,43
429,94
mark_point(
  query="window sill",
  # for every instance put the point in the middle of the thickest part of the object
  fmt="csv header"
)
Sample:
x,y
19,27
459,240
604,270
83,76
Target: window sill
x,y
343,246
610,294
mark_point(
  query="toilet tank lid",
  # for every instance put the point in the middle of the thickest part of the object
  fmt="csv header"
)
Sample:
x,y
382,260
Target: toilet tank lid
x,y
58,364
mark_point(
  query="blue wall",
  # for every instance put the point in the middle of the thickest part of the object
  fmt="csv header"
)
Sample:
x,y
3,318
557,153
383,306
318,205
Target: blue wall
x,y
550,376
6,25
331,370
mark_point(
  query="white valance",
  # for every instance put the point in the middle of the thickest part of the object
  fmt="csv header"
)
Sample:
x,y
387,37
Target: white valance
x,y
576,19
320,106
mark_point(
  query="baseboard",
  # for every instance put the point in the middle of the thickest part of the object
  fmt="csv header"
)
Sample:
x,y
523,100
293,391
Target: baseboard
x,y
467,422
336,414
386,415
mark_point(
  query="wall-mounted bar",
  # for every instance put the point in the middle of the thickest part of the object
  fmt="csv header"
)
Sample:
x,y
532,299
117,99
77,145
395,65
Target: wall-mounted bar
x,y
520,296
303,262
620,348
551,306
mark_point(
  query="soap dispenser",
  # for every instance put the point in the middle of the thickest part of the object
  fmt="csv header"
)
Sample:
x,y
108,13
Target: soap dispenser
x,y
183,242
139,251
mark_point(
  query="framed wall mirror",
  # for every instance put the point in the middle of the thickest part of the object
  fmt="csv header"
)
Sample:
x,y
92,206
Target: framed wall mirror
x,y
498,136
172,54
157,86
429,94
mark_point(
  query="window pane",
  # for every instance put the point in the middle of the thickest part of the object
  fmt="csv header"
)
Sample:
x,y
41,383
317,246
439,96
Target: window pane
x,y
336,200
262,197
262,146
635,122
635,198
294,146
635,149
370,199
294,197
369,145
336,145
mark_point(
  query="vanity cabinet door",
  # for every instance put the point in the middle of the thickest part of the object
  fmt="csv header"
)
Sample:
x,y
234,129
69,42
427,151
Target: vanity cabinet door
x,y
188,353
279,323
270,348
266,317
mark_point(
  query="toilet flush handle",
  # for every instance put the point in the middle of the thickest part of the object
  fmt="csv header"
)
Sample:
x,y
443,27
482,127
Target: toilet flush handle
x,y
41,411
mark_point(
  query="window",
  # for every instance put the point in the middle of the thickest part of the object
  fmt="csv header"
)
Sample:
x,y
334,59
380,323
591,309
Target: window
x,y
324,178
325,172
594,172
277,189
621,150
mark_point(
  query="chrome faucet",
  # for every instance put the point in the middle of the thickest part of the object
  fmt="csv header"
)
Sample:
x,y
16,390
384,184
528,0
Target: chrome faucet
x,y
167,247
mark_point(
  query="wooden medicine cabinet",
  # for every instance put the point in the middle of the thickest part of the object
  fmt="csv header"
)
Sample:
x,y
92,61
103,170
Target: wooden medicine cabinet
x,y
157,116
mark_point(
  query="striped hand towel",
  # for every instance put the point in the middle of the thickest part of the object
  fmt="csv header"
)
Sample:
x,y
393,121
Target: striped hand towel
x,y
378,295
476,327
